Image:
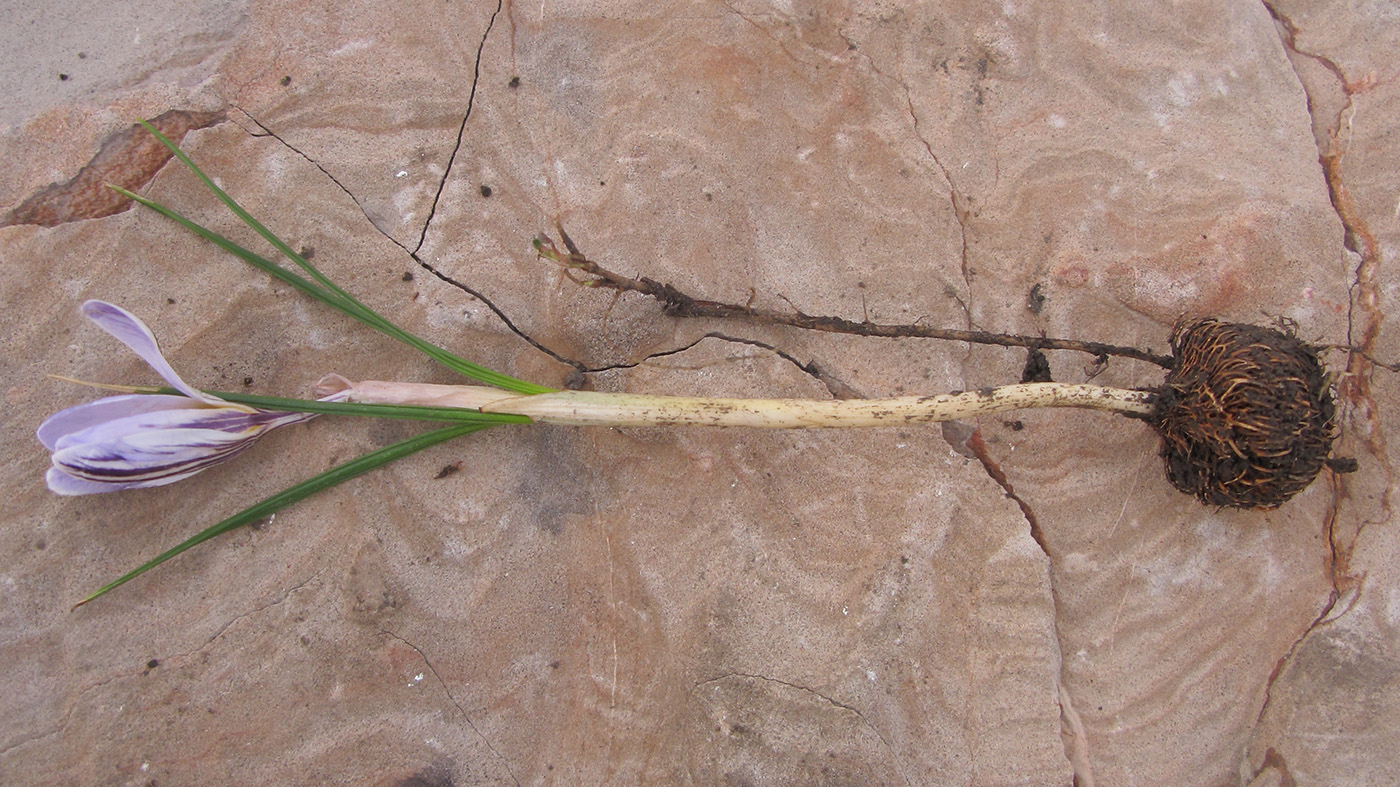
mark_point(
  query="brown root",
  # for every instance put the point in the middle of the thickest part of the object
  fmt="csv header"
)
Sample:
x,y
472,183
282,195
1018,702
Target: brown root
x,y
1246,415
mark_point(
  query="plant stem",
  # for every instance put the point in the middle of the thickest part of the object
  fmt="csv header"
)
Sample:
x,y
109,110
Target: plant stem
x,y
590,408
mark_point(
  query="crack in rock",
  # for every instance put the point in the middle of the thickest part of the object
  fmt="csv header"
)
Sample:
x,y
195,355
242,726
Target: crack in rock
x,y
461,130
413,253
453,699
578,366
1076,739
1324,618
61,727
782,47
961,213
281,598
264,131
1355,385
835,386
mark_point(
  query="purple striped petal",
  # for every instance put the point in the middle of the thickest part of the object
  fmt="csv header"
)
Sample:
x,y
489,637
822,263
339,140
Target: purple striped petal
x,y
159,456
142,440
129,330
215,420
136,446
89,414
69,486
156,448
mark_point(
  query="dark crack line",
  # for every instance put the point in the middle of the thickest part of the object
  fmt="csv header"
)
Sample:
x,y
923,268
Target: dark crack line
x,y
1323,617
678,350
960,213
509,323
448,691
1357,238
819,695
798,686
1328,615
413,253
766,33
1363,293
1364,289
461,130
1290,42
979,449
834,386
25,740
437,198
268,132
286,594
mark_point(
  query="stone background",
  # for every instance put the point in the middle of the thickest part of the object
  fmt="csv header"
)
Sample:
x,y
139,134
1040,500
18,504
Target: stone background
x,y
687,606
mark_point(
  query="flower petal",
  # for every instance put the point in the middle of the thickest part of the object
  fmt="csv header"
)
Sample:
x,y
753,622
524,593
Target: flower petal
x,y
216,421
140,440
155,448
89,414
166,455
129,330
61,483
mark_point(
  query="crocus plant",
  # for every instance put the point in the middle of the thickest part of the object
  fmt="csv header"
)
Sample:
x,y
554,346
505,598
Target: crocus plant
x,y
153,436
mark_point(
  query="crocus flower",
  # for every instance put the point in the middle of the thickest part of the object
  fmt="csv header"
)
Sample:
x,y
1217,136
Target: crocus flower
x,y
140,440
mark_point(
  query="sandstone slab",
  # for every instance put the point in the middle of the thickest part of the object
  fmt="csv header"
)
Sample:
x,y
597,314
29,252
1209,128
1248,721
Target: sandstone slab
x,y
556,605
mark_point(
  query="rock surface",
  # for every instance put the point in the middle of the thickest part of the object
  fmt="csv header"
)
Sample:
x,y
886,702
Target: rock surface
x,y
689,606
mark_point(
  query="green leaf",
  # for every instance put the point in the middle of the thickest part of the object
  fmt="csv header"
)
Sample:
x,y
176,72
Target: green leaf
x,y
256,260
293,494
353,309
331,294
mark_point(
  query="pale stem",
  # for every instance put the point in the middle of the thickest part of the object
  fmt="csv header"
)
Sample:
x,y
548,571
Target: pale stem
x,y
590,408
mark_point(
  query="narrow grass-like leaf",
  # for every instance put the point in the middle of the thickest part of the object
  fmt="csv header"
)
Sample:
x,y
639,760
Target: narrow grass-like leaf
x,y
336,296
258,261
350,308
301,491
248,219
